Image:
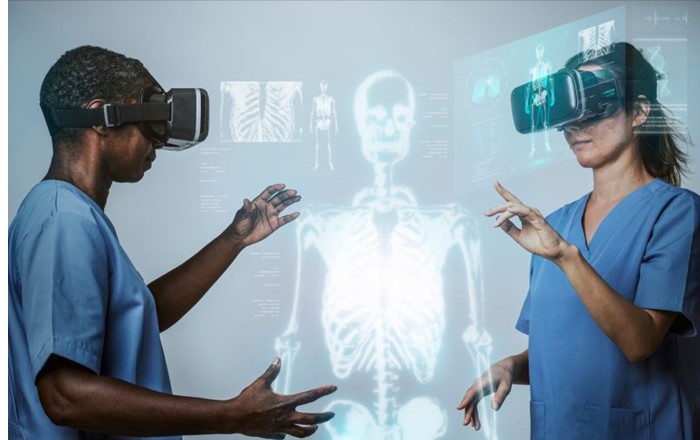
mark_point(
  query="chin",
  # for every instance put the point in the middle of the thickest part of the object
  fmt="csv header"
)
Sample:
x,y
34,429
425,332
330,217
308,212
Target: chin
x,y
131,179
585,160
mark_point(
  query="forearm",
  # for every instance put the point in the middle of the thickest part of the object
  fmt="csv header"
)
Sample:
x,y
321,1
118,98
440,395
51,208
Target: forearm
x,y
85,401
521,367
180,289
636,331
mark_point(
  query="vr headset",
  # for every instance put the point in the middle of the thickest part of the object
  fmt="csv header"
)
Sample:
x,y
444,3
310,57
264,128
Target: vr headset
x,y
565,97
178,119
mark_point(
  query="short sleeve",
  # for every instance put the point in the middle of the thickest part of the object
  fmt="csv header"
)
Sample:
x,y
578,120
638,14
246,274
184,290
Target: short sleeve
x,y
523,324
669,277
63,266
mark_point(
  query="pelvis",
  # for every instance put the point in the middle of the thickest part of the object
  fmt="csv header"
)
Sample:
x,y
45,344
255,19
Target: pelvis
x,y
419,419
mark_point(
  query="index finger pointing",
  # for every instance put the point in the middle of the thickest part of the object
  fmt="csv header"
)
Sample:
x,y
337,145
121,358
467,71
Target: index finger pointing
x,y
507,195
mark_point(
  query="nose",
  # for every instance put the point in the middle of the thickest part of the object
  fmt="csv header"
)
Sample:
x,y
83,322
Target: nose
x,y
389,128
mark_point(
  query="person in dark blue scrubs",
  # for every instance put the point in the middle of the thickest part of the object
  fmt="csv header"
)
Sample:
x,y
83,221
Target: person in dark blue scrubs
x,y
85,358
613,307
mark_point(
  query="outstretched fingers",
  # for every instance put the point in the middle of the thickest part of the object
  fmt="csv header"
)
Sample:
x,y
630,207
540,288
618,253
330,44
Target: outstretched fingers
x,y
304,424
288,218
300,431
270,191
469,404
298,418
284,199
311,395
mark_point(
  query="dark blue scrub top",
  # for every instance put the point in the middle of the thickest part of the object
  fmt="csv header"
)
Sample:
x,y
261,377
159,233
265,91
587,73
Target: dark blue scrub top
x,y
582,386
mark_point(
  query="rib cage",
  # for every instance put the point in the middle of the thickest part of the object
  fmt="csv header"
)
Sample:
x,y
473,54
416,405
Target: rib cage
x,y
262,111
383,304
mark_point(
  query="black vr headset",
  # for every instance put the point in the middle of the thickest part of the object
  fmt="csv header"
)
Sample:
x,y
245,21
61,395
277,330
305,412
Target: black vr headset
x,y
178,119
565,97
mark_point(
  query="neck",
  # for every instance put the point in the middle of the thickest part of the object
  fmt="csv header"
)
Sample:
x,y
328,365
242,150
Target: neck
x,y
383,179
82,170
615,180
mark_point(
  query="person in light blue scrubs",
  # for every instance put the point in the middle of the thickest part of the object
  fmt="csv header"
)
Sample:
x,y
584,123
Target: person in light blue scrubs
x,y
613,308
85,357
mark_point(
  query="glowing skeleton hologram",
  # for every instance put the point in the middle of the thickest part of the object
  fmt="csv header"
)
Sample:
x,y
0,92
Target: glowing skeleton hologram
x,y
322,109
261,111
383,308
539,98
594,41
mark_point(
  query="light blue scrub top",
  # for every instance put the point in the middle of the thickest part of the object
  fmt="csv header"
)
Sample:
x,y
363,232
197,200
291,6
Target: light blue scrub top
x,y
582,386
74,293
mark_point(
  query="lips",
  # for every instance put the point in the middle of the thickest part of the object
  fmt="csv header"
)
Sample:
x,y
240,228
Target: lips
x,y
579,143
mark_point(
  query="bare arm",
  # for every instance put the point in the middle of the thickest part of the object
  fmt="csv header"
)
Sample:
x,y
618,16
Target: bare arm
x,y
74,396
176,292
637,332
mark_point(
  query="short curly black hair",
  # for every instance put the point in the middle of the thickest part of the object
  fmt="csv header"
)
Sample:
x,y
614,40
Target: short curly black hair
x,y
87,73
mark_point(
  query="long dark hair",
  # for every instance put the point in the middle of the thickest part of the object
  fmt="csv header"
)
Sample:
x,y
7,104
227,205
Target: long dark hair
x,y
659,139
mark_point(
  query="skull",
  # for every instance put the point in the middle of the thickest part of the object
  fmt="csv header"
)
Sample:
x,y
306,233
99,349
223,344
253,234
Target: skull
x,y
384,114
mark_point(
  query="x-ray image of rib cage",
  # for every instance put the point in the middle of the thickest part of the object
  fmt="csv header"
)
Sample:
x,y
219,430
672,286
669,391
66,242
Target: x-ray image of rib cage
x,y
260,111
595,40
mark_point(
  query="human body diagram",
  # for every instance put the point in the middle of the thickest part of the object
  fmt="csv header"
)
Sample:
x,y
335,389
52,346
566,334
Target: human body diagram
x,y
539,98
383,308
323,119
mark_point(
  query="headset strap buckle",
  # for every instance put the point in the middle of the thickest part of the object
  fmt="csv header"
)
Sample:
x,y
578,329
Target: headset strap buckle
x,y
112,115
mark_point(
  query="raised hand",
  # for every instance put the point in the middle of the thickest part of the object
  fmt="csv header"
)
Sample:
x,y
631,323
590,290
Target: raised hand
x,y
535,235
260,412
261,217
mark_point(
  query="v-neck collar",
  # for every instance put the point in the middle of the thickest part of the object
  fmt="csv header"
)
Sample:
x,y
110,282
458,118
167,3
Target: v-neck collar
x,y
609,217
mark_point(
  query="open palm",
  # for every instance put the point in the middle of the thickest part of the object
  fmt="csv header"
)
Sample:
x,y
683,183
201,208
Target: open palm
x,y
261,217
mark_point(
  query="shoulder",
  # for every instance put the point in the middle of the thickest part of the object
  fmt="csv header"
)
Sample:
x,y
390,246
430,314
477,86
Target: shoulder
x,y
669,200
666,193
60,203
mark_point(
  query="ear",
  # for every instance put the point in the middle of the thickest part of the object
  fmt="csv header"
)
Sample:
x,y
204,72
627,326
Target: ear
x,y
99,129
642,107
